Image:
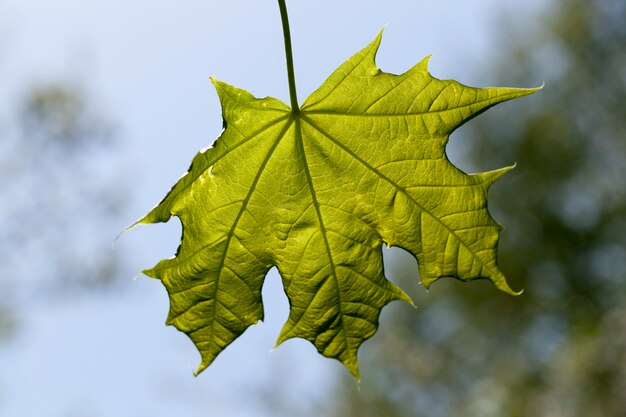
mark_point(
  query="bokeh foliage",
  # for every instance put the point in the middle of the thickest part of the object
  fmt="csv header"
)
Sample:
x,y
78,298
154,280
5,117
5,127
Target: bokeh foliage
x,y
57,203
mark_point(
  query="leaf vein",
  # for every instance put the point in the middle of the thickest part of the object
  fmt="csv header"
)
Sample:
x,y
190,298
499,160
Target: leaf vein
x,y
394,184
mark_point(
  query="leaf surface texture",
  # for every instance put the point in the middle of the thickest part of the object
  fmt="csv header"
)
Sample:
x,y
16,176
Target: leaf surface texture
x,y
316,193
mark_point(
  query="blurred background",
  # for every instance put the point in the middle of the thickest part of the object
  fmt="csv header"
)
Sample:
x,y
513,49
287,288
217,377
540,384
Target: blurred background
x,y
104,103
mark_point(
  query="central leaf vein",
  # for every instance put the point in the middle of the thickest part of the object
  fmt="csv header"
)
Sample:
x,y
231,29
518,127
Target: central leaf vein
x,y
318,211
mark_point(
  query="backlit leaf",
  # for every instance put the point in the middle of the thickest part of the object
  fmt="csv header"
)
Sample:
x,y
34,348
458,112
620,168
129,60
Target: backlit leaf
x,y
316,193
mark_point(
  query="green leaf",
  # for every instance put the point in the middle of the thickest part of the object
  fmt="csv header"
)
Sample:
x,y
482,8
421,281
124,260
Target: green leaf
x,y
316,192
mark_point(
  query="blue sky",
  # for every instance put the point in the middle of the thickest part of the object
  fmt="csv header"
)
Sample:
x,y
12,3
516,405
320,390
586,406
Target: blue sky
x,y
147,64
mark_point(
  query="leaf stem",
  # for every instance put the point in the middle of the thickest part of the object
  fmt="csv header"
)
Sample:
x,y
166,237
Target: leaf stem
x,y
289,55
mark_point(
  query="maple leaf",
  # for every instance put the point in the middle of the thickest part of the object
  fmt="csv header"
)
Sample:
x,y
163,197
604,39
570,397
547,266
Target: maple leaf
x,y
315,192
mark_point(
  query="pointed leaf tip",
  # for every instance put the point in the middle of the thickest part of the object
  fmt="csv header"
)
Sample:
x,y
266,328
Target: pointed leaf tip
x,y
504,286
489,178
354,370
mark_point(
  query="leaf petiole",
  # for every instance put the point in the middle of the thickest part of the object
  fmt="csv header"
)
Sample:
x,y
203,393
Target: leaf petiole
x,y
295,109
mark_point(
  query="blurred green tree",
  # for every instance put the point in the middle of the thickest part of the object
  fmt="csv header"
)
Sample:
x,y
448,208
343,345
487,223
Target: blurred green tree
x,y
558,350
57,200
